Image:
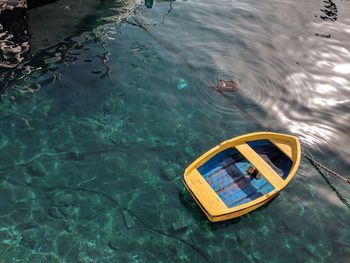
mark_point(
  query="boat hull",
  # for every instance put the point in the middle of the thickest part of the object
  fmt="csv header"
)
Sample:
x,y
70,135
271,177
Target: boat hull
x,y
233,214
219,206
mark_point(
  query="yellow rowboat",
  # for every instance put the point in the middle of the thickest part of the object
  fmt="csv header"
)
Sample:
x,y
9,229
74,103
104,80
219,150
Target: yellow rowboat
x,y
243,173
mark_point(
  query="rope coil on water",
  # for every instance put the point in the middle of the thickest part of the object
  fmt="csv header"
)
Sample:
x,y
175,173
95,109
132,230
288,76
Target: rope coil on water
x,y
167,46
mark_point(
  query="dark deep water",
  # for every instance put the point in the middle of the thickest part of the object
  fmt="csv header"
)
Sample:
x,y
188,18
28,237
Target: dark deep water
x,y
98,121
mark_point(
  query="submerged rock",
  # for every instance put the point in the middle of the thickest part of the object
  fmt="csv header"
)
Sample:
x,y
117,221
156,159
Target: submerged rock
x,y
64,244
168,173
244,236
36,169
226,86
129,220
178,227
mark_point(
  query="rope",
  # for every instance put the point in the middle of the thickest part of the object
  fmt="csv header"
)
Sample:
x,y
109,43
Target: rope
x,y
146,225
315,163
340,196
173,51
312,160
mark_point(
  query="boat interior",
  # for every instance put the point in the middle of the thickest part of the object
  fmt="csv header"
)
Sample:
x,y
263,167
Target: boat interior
x,y
226,173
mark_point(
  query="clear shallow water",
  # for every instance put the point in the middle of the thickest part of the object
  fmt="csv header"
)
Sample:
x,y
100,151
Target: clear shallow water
x,y
95,135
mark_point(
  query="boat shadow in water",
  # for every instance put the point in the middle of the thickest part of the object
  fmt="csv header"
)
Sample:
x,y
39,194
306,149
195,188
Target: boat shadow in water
x,y
224,224
187,201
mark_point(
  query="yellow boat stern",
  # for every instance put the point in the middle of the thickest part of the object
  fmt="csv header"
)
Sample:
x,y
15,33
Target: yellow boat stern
x,y
203,194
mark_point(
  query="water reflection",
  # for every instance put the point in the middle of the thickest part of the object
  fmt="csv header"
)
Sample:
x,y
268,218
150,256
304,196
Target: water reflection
x,y
342,68
47,28
292,64
330,11
45,37
150,3
14,37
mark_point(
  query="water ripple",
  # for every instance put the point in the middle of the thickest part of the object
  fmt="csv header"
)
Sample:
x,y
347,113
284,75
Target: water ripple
x,y
281,62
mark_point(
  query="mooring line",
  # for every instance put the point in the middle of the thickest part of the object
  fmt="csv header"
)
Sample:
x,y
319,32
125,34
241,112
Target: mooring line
x,y
203,254
340,196
315,163
173,51
311,159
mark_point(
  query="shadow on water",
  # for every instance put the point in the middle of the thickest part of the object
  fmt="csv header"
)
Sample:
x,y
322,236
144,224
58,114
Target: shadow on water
x,y
14,38
235,221
198,215
27,35
150,3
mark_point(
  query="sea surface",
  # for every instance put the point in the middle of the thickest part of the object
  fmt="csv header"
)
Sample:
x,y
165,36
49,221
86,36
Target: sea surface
x,y
105,103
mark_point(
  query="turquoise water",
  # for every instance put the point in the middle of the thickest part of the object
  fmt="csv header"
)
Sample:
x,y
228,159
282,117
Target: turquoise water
x,y
96,131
